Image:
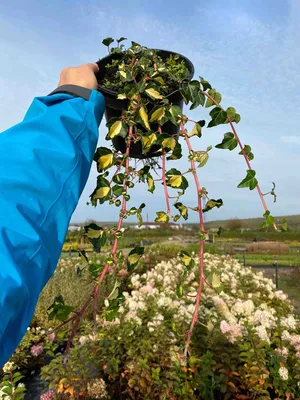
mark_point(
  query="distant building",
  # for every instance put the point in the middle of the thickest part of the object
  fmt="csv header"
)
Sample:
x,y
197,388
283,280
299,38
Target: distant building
x,y
156,225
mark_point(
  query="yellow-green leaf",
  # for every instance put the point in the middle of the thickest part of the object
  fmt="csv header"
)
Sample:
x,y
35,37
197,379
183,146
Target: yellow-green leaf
x,y
162,217
148,141
134,258
216,281
105,161
158,114
160,80
123,74
150,182
115,129
210,326
154,94
144,117
175,180
185,259
121,96
102,192
170,143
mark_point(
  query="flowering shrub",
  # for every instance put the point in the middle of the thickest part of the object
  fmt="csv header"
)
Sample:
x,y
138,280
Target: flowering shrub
x,y
246,343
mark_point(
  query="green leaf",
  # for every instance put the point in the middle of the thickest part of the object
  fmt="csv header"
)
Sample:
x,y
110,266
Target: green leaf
x,y
232,114
121,39
196,130
205,84
186,259
250,181
218,117
247,150
213,203
115,292
162,217
117,129
108,41
190,92
119,178
83,256
134,257
59,310
95,269
215,95
104,158
182,209
229,142
158,114
199,100
96,235
154,94
121,96
269,220
118,190
284,225
144,117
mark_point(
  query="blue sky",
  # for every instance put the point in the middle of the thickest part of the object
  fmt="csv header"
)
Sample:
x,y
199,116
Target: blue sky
x,y
248,50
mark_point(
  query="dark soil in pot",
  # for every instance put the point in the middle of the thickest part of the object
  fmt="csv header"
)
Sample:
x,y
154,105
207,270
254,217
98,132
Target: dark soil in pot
x,y
114,107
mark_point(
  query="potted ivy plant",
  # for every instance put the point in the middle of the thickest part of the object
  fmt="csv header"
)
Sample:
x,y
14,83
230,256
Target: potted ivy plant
x,y
144,90
139,78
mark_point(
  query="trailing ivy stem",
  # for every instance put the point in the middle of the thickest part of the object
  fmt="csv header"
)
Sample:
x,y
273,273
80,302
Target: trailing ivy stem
x,y
163,178
242,150
201,249
115,245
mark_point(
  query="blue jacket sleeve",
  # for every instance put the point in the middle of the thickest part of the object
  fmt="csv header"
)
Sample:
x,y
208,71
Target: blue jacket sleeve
x,y
44,165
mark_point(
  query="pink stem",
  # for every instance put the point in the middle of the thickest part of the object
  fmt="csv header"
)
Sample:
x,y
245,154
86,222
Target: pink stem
x,y
201,250
241,147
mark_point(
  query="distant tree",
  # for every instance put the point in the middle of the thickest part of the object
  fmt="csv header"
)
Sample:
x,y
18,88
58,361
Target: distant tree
x,y
234,224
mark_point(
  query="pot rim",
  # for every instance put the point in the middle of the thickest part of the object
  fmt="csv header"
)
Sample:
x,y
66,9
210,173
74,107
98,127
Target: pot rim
x,y
114,93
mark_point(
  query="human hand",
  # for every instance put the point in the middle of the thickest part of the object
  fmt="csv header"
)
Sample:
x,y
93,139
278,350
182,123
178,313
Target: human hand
x,y
84,76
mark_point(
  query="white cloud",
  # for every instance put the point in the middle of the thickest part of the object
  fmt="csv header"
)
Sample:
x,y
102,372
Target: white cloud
x,y
290,139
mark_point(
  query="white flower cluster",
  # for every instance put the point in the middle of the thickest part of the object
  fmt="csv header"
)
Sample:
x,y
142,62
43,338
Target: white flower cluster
x,y
240,302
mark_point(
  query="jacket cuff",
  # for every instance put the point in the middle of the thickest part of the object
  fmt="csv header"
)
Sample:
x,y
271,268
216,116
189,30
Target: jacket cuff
x,y
73,90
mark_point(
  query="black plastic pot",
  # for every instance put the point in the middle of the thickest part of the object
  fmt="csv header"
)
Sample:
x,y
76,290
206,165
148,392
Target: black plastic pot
x,y
114,107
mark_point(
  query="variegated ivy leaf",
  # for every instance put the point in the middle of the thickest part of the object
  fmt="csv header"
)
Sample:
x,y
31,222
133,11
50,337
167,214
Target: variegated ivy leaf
x,y
148,141
176,180
186,259
104,158
102,191
154,94
134,257
144,117
213,203
118,128
182,209
157,115
96,235
162,217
